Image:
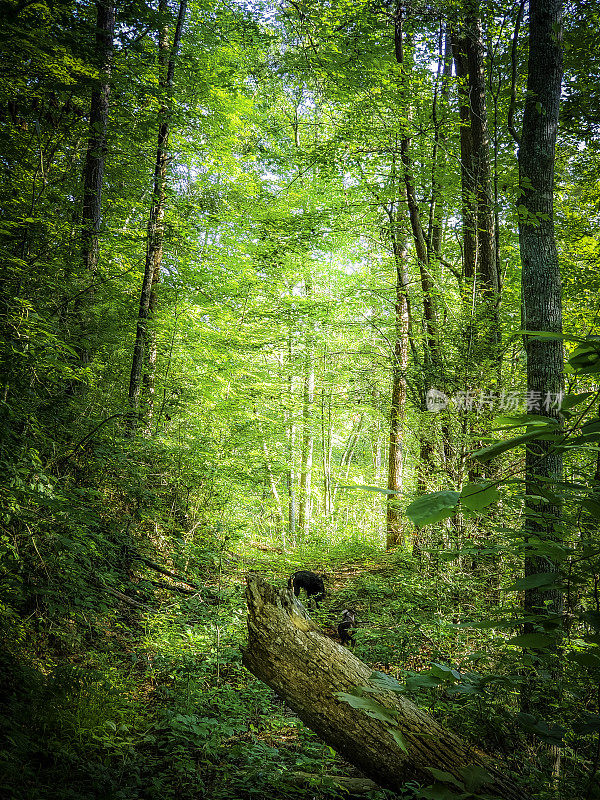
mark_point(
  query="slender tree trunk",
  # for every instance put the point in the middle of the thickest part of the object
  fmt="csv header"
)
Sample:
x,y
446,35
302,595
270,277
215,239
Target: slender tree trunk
x,y
394,519
93,172
486,238
542,300
347,455
291,441
479,237
326,449
434,228
467,174
432,371
155,235
272,481
304,517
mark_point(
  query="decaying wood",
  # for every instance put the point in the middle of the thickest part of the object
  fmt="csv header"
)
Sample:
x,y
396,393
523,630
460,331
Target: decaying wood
x,y
353,786
289,653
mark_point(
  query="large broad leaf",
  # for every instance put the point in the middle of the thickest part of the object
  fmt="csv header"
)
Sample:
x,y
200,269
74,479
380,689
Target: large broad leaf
x,y
592,506
546,433
550,735
563,337
533,641
592,618
585,359
416,682
547,580
445,777
477,496
398,738
589,724
444,672
571,400
433,507
523,420
369,706
475,777
587,658
368,488
380,682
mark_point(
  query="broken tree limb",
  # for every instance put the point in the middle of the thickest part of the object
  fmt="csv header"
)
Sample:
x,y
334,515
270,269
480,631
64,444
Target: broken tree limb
x,y
163,571
289,653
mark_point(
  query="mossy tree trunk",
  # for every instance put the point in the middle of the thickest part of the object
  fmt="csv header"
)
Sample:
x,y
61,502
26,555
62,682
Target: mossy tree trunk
x,y
307,669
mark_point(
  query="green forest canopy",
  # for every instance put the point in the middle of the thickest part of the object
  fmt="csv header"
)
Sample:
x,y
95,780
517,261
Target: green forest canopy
x,y
296,286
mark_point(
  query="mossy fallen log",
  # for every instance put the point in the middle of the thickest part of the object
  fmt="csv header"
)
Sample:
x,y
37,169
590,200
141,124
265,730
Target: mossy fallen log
x,y
307,669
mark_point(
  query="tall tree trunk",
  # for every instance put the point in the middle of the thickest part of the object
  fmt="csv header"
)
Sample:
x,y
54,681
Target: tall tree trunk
x,y
304,516
486,240
271,477
155,235
479,254
291,442
394,518
542,301
326,450
423,248
434,228
467,174
93,172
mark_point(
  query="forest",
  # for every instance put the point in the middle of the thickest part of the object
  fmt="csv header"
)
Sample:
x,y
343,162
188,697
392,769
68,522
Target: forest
x,y
299,399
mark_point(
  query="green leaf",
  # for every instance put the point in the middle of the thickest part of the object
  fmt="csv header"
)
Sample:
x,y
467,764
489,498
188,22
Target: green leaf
x,y
590,724
563,337
475,777
445,777
369,706
592,507
433,507
585,359
592,618
477,496
571,400
416,682
550,735
523,420
444,672
546,579
385,683
496,449
587,658
369,489
439,792
532,641
398,738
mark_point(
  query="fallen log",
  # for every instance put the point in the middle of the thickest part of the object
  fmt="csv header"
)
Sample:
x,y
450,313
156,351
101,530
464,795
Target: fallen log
x,y
288,652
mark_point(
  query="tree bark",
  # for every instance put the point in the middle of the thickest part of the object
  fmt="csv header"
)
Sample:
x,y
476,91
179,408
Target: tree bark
x,y
155,237
467,180
304,516
291,442
486,240
438,160
394,517
479,238
289,653
541,287
93,172
271,476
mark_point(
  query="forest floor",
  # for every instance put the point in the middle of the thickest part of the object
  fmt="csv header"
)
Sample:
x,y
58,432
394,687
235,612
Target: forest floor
x,y
154,702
